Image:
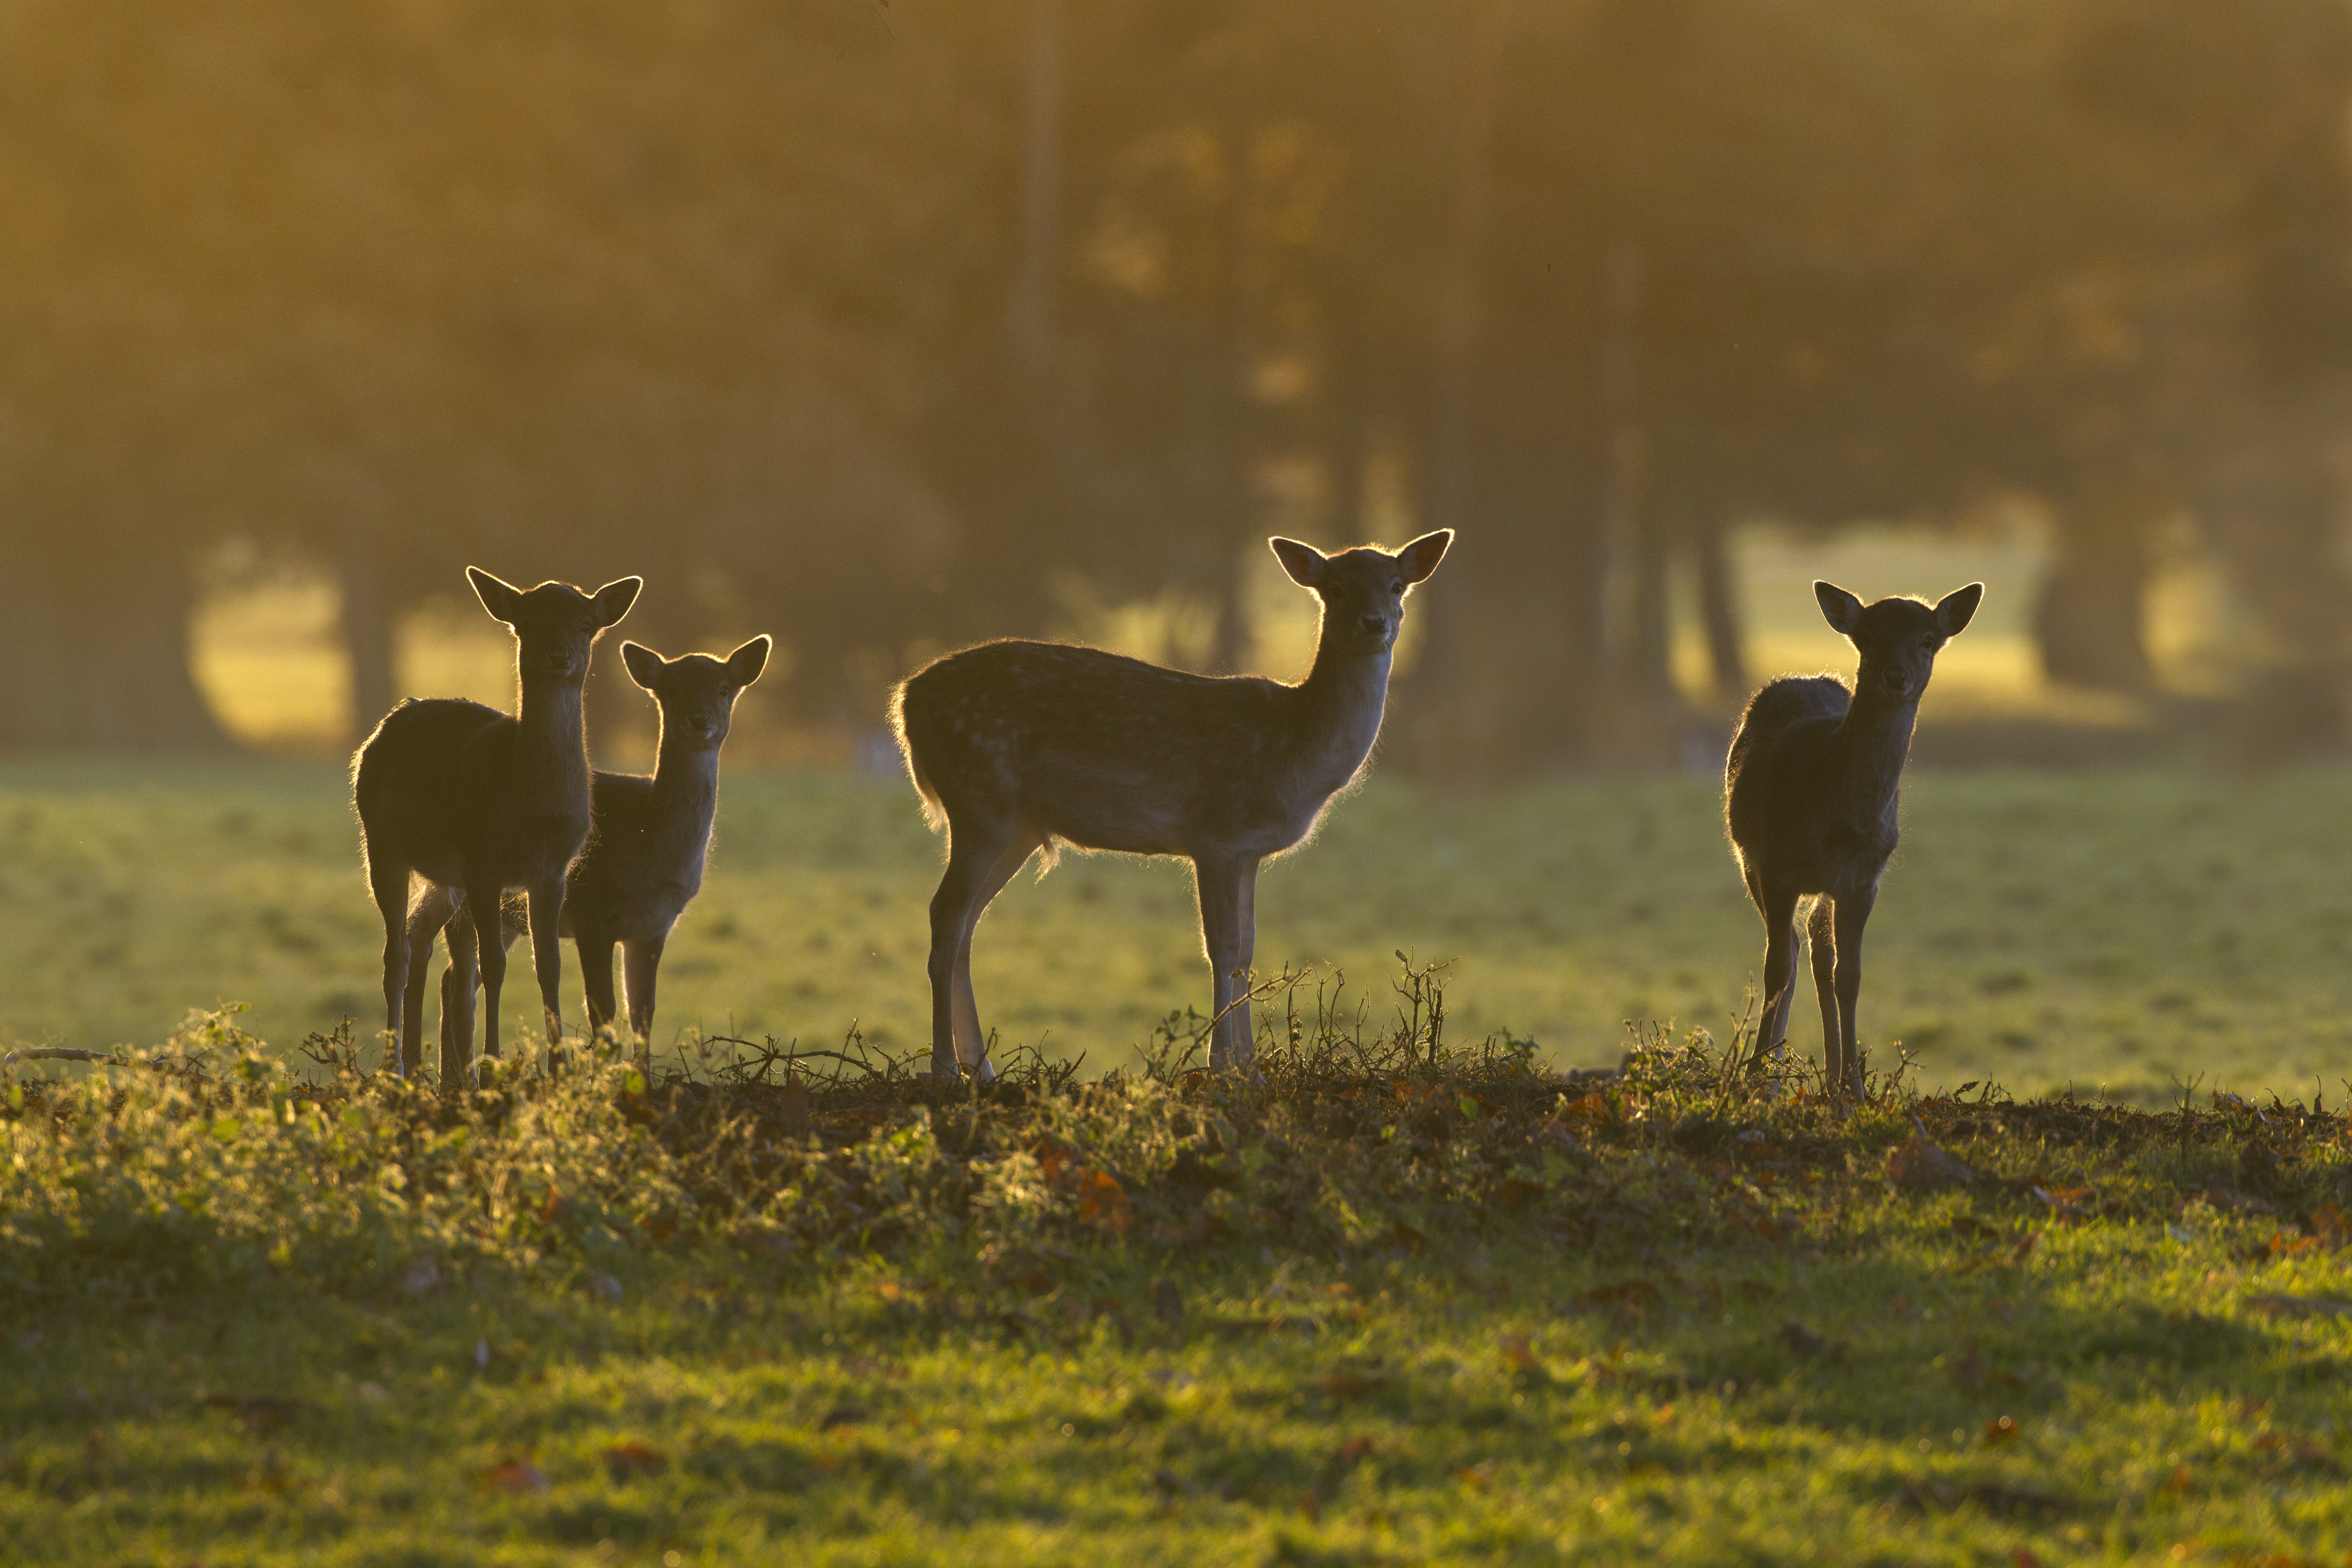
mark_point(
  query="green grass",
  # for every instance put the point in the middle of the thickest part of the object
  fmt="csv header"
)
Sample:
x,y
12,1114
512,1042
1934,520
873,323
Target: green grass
x,y
2115,931
1400,1305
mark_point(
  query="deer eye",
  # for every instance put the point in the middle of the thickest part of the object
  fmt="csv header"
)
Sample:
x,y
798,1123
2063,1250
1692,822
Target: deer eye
x,y
1397,586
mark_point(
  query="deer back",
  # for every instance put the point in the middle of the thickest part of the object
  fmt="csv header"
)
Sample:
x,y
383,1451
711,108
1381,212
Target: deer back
x,y
1111,753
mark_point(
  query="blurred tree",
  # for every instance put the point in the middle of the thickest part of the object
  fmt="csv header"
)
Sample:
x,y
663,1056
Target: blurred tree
x,y
875,329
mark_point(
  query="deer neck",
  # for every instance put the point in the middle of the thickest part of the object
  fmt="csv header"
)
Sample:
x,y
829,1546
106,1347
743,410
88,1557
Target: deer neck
x,y
552,755
685,793
1345,695
1876,737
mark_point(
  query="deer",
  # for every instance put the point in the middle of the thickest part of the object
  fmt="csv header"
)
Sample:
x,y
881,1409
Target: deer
x,y
1017,747
467,797
1810,795
648,838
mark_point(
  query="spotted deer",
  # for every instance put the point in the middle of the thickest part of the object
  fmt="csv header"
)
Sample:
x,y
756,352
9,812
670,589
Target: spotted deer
x,y
1021,746
1809,797
470,798
647,840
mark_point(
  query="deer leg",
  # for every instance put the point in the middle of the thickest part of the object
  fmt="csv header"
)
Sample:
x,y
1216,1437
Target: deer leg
x,y
971,1046
1779,907
491,952
426,915
1853,913
547,952
641,961
458,982
969,859
1244,1035
1223,889
390,886
1821,940
596,978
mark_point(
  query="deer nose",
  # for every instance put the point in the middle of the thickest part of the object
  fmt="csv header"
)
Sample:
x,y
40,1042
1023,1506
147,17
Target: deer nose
x,y
1376,625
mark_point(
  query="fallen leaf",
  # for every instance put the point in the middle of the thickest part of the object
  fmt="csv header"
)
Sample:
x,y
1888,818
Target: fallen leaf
x,y
1102,1201
1923,1166
2024,1248
1355,1449
1351,1385
2281,1245
1514,1192
517,1475
2179,1482
2021,1557
1409,1236
1478,1477
2330,1226
2001,1429
622,1460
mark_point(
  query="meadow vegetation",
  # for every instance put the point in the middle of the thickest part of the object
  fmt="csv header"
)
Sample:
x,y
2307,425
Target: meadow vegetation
x,y
1405,1301
2118,930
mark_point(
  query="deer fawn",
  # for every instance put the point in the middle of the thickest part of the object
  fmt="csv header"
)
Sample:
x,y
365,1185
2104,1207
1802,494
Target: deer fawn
x,y
470,798
1810,796
641,867
1022,746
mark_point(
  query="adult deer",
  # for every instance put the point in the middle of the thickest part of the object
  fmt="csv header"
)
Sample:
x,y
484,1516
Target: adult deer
x,y
1022,746
471,798
1810,796
647,840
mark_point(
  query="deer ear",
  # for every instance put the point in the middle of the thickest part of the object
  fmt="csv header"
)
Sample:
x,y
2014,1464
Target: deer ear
x,y
613,599
1303,561
645,665
749,660
501,599
1841,610
1955,610
1419,558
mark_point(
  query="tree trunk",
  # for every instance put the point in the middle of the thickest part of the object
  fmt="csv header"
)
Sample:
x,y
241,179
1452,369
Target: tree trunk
x,y
1718,608
1426,733
367,632
1038,272
99,659
1649,648
2088,611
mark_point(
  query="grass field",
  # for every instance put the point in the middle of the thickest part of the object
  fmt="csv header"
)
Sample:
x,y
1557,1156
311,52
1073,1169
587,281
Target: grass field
x,y
2115,931
1406,1306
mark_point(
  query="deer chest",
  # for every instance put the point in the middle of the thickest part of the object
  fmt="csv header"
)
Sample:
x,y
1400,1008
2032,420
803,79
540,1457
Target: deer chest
x,y
543,844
